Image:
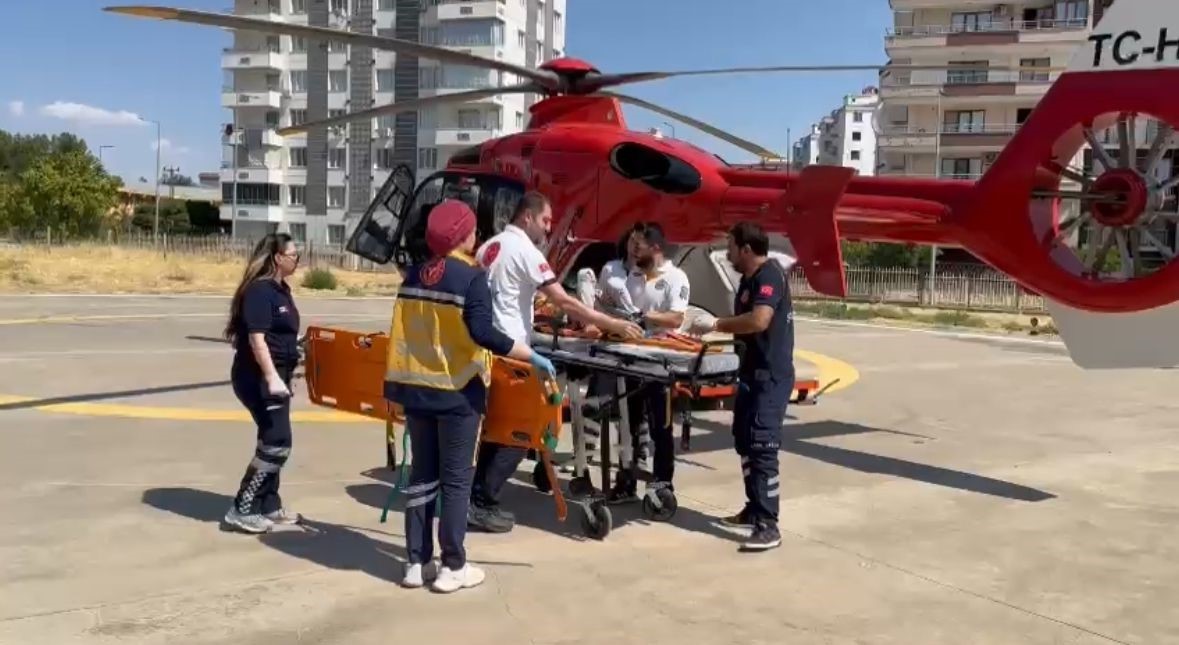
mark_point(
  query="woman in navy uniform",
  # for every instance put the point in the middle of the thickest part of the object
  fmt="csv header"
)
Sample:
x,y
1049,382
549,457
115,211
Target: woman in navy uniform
x,y
763,325
264,329
442,340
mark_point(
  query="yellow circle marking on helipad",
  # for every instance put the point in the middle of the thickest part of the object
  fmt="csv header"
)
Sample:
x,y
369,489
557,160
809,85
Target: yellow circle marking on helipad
x,y
829,369
180,414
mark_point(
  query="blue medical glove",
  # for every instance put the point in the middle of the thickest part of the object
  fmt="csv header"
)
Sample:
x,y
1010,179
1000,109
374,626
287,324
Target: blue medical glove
x,y
543,363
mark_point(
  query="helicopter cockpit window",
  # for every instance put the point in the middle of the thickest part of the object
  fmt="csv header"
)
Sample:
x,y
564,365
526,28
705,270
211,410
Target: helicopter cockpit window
x,y
492,198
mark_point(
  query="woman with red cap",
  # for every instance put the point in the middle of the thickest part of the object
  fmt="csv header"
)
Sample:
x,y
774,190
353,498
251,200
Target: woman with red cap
x,y
441,344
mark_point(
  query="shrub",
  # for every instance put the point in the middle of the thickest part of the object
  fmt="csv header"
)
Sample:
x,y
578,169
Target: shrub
x,y
319,279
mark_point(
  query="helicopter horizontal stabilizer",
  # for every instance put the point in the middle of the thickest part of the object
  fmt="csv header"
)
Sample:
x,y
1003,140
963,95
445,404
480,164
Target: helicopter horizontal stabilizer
x,y
809,210
1138,339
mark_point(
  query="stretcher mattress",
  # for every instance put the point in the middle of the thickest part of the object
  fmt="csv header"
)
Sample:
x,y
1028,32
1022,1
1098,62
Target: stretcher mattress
x,y
657,361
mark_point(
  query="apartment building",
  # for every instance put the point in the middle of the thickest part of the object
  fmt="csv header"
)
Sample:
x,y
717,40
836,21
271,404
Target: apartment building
x,y
953,123
316,185
845,137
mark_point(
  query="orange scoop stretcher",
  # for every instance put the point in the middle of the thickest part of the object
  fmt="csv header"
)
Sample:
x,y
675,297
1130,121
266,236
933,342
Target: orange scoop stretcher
x,y
345,370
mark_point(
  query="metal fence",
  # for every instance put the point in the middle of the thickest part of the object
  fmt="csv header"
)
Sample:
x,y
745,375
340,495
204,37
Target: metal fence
x,y
954,287
230,249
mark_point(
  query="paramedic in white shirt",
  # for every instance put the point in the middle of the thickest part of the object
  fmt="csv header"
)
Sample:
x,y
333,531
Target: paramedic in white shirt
x,y
660,290
516,271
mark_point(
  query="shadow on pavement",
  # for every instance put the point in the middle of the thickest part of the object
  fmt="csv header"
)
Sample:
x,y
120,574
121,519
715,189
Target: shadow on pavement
x,y
329,545
100,396
537,510
794,441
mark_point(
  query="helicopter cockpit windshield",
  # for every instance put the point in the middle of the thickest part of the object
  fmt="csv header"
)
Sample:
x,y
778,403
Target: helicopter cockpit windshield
x,y
492,198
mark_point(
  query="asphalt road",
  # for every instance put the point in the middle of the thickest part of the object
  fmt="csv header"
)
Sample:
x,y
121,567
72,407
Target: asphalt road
x,y
959,489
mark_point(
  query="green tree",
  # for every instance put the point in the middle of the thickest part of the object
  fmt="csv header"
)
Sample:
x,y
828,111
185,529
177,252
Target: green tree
x,y
66,191
173,217
19,152
885,255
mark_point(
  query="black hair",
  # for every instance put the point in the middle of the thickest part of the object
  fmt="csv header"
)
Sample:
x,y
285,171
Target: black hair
x,y
532,201
260,266
652,234
752,235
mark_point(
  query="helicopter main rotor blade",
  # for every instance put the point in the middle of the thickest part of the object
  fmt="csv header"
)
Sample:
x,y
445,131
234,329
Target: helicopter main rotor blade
x,y
545,79
594,82
411,105
733,139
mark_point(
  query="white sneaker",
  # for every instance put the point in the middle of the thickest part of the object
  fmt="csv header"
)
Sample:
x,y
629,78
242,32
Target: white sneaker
x,y
284,516
465,578
417,575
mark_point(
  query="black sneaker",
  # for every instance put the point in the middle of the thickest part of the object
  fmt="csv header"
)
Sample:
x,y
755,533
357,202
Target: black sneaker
x,y
764,538
624,491
491,520
742,520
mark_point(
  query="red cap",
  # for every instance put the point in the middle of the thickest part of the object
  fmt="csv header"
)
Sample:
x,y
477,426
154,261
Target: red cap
x,y
451,221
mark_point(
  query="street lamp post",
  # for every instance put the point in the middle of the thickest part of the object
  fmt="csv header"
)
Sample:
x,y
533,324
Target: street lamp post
x,y
672,126
155,230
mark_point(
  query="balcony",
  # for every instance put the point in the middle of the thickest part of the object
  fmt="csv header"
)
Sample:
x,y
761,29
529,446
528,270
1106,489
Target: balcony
x,y
254,212
977,135
460,9
252,59
907,136
268,98
271,11
457,136
252,175
256,136
921,84
940,35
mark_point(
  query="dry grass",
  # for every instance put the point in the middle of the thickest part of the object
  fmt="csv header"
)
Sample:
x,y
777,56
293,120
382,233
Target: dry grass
x,y
103,269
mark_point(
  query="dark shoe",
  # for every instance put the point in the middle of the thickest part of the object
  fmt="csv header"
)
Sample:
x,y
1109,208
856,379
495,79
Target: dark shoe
x,y
624,491
491,520
764,538
742,520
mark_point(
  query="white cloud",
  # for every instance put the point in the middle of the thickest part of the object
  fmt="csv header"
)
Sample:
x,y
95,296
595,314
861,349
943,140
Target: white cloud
x,y
166,145
90,115
16,108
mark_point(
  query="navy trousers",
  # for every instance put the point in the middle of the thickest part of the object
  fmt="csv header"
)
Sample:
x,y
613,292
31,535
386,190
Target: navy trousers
x,y
495,466
654,406
443,453
758,413
258,491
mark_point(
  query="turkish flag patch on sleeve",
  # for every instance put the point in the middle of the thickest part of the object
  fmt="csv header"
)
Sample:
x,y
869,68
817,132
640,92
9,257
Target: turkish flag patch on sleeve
x,y
766,291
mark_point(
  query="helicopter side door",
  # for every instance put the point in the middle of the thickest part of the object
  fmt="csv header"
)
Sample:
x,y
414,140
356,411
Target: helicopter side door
x,y
377,236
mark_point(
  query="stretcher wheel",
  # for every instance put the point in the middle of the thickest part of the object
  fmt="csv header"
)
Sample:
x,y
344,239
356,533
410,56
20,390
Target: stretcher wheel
x,y
668,505
581,486
597,521
540,478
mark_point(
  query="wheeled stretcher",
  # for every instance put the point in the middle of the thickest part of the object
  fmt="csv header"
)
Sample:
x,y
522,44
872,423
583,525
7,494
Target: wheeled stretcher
x,y
346,371
614,363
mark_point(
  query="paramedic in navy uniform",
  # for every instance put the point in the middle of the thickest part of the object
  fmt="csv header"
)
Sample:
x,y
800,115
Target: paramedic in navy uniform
x,y
763,325
264,329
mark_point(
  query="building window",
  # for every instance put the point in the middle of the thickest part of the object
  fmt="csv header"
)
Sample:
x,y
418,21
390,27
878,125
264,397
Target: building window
x,y
299,80
298,6
299,231
338,6
520,120
961,168
335,234
296,195
384,80
428,157
386,5
299,157
855,155
976,72
856,136
338,80
1029,72
1072,13
337,158
298,116
385,159
470,119
858,117
521,39
964,121
976,21
1022,115
298,44
335,197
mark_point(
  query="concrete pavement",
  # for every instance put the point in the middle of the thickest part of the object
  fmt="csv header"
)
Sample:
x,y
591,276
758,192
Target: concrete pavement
x,y
963,490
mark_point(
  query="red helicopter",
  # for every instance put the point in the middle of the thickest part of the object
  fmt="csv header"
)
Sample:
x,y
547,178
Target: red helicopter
x,y
1034,215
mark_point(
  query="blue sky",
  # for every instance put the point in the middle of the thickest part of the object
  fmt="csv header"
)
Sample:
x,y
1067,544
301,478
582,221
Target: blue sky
x,y
105,69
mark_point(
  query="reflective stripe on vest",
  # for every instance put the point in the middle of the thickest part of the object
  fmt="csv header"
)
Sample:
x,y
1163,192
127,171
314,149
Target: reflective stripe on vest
x,y
429,344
